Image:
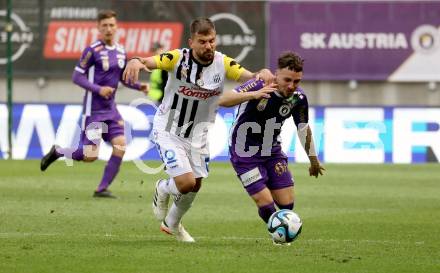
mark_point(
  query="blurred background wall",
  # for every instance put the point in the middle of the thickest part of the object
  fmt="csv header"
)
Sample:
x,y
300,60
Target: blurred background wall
x,y
358,53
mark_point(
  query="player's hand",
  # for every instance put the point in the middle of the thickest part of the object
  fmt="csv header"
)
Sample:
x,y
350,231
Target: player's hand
x,y
265,75
315,168
106,91
145,87
265,91
131,71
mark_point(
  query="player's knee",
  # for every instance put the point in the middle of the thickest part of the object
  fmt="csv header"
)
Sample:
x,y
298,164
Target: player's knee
x,y
197,186
90,158
187,187
118,152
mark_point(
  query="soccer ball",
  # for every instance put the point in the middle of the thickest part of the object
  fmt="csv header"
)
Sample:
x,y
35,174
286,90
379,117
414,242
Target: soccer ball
x,y
284,226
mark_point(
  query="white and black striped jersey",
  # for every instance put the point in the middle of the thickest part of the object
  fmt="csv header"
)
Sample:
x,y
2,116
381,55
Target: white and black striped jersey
x,y
192,91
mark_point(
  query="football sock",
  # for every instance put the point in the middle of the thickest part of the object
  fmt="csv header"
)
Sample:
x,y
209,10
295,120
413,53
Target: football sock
x,y
110,171
288,206
179,207
75,154
169,187
266,211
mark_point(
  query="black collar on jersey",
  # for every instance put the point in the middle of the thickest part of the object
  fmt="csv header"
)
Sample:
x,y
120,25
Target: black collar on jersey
x,y
198,63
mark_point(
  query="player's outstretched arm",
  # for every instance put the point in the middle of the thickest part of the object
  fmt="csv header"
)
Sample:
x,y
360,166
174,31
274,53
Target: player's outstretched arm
x,y
134,66
264,74
306,139
231,97
140,86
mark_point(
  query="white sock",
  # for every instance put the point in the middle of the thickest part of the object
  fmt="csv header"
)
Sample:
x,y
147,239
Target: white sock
x,y
169,187
179,208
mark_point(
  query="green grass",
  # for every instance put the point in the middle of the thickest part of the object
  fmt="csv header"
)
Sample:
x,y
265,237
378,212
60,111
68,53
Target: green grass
x,y
357,218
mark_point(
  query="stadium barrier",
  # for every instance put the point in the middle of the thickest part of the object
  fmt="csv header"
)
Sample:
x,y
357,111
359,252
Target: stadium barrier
x,y
342,134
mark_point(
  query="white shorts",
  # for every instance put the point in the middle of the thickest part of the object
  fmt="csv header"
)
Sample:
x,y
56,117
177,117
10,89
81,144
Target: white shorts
x,y
181,156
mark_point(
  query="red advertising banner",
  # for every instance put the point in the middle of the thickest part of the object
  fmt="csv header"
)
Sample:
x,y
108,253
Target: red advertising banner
x,y
67,39
48,37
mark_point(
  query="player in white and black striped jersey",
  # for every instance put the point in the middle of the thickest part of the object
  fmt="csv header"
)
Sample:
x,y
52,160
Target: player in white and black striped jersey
x,y
196,78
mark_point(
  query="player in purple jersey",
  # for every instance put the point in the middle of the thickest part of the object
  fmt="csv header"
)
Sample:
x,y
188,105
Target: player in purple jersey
x,y
255,144
99,72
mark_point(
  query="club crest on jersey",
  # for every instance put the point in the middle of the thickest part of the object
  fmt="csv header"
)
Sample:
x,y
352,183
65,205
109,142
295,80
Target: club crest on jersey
x,y
262,105
284,110
217,78
121,63
280,168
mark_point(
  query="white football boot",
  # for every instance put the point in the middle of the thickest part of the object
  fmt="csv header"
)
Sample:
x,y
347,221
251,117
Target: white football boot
x,y
160,202
180,233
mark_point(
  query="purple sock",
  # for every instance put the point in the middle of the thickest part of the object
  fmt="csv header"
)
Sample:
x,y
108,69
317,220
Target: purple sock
x,y
266,211
110,171
75,154
288,206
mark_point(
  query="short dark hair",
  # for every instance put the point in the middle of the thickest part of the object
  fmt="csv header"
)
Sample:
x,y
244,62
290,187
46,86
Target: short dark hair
x,y
291,60
202,26
105,14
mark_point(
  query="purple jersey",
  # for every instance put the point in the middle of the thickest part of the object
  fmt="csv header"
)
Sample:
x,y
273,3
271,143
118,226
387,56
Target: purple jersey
x,y
257,126
103,66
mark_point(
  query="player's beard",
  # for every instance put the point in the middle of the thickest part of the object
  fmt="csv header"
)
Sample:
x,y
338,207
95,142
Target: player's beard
x,y
206,56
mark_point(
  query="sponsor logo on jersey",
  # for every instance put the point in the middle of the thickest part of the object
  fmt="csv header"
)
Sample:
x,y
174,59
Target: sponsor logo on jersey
x,y
105,63
200,93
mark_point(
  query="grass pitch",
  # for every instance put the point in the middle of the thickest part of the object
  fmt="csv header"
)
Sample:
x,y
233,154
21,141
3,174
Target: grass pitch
x,y
357,218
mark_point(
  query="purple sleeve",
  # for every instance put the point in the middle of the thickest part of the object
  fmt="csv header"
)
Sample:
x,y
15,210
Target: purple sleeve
x,y
300,111
81,80
250,85
86,60
79,74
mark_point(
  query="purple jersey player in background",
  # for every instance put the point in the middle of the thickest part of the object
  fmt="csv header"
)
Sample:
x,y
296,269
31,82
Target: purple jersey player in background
x,y
99,71
255,144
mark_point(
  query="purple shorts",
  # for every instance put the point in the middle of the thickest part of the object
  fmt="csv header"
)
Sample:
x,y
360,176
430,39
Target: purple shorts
x,y
96,127
262,172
